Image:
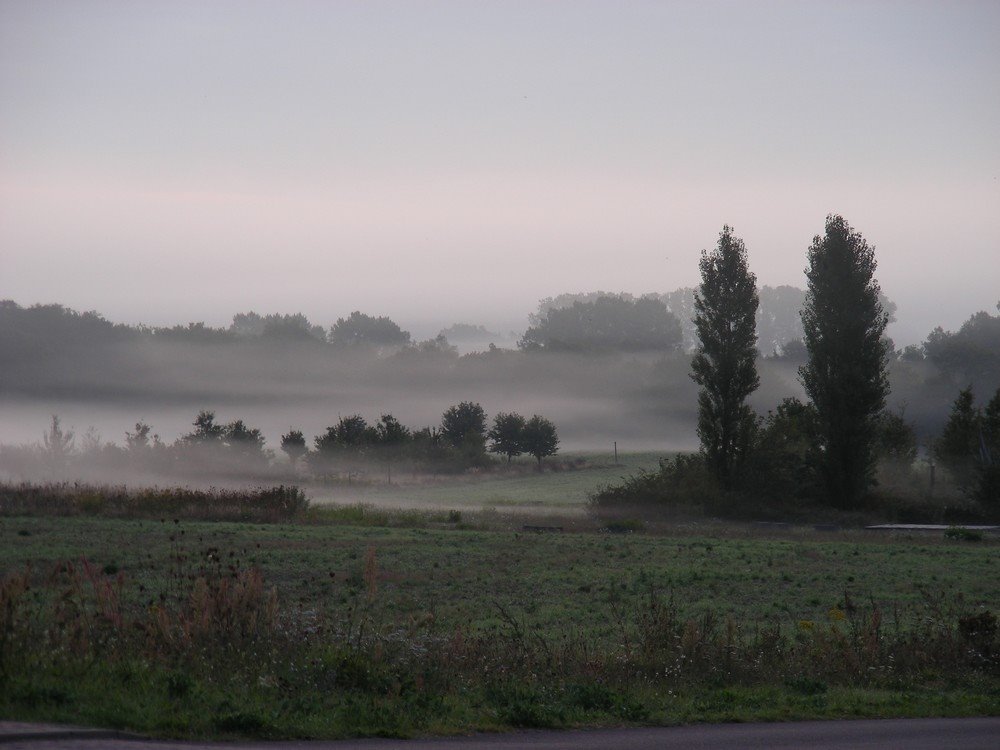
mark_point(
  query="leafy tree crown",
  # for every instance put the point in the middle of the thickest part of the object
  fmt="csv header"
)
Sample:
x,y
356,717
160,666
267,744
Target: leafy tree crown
x,y
359,329
463,420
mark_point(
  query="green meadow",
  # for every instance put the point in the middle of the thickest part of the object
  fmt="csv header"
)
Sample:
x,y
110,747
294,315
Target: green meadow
x,y
359,621
553,581
564,485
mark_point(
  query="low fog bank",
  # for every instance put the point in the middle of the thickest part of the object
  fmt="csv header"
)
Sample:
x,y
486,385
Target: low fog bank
x,y
643,401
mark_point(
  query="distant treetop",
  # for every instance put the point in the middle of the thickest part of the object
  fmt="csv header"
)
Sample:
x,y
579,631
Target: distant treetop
x,y
26,331
466,332
971,354
359,329
275,327
609,323
778,317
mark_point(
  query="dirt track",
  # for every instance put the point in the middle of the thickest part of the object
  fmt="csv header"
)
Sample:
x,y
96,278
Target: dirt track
x,y
908,734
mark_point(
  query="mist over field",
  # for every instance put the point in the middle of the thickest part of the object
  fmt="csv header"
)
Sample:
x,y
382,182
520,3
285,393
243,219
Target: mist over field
x,y
101,379
594,400
604,366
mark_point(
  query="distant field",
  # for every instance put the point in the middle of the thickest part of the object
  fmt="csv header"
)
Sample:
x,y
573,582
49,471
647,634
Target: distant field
x,y
555,581
565,490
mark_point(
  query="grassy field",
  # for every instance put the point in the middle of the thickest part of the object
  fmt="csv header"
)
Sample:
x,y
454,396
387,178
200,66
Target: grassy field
x,y
426,607
364,620
552,581
565,490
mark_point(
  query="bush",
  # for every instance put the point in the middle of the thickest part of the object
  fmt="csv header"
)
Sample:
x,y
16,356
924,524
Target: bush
x,y
782,465
963,534
681,482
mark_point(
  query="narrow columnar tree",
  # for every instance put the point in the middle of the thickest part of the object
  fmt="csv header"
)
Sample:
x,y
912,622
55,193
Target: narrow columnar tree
x,y
724,364
58,444
846,376
958,443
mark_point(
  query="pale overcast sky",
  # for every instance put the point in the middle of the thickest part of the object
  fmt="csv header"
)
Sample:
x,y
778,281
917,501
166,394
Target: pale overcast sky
x,y
456,161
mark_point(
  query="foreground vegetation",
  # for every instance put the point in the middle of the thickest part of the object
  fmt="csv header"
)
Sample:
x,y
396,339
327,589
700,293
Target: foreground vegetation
x,y
322,627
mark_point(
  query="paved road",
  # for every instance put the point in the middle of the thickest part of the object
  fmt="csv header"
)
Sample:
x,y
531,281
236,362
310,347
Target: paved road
x,y
904,734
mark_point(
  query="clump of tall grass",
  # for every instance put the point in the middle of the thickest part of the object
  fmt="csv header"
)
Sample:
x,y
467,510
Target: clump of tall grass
x,y
855,645
258,505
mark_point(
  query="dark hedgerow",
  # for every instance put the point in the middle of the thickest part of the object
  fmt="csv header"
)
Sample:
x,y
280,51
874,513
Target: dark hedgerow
x,y
260,505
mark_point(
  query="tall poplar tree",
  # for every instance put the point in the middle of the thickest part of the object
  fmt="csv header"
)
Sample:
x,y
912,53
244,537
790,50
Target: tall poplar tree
x,y
846,376
724,364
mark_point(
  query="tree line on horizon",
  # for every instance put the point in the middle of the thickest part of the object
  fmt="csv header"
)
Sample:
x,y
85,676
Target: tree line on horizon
x,y
593,322
462,440
587,322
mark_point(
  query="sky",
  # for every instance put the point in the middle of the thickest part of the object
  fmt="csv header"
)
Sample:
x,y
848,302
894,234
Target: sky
x,y
442,162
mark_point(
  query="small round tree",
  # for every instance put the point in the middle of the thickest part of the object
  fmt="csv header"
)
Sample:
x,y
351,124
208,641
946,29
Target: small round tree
x,y
539,438
507,435
294,445
459,423
359,329
243,442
